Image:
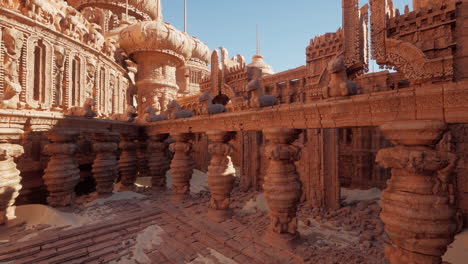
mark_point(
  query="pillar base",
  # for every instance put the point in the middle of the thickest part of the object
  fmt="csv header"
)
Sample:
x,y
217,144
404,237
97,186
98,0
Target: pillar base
x,y
398,255
284,240
219,215
180,197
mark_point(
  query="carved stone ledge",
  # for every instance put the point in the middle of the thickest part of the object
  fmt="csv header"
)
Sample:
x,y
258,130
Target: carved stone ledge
x,y
128,166
158,161
62,172
220,175
282,187
105,166
417,209
181,165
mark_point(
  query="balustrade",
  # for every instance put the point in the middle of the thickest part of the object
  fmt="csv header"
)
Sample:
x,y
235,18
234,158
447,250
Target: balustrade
x,y
181,165
128,166
105,166
158,162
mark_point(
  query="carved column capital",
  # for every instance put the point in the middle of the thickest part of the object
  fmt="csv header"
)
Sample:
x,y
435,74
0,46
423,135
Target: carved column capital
x,y
282,187
62,172
220,174
181,165
417,208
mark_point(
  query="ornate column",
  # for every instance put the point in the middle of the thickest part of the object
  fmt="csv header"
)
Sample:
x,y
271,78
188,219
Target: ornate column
x,y
9,175
220,174
417,206
62,172
181,165
158,162
105,166
128,166
282,187
142,155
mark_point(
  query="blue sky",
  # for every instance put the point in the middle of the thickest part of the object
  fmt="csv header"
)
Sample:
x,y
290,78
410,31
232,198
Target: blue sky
x,y
285,26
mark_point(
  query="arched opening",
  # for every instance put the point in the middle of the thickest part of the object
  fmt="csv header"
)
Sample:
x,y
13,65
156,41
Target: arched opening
x,y
221,99
39,90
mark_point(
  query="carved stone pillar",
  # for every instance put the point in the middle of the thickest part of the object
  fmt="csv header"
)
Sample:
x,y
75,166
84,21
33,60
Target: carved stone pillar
x,y
181,165
62,172
158,162
143,159
282,187
9,175
105,166
128,167
417,206
220,175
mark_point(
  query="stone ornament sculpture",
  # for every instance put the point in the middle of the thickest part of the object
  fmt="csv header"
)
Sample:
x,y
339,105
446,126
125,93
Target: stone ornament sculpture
x,y
129,115
419,215
220,175
10,180
13,41
339,84
87,110
151,116
282,187
175,112
210,108
59,69
256,90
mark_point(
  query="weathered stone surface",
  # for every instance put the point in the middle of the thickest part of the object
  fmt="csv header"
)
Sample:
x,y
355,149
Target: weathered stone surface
x,y
105,166
158,161
181,165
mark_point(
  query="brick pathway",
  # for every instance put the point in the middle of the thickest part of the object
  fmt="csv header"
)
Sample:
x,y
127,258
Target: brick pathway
x,y
186,236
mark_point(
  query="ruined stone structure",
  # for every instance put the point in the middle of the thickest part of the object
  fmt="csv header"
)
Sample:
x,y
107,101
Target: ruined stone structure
x,y
107,91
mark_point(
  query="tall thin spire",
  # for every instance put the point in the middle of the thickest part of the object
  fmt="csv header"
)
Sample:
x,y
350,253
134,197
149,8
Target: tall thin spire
x,y
159,16
126,10
258,42
185,16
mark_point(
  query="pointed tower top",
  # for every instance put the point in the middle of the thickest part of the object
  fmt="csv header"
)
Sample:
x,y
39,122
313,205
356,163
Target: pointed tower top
x,y
258,42
159,16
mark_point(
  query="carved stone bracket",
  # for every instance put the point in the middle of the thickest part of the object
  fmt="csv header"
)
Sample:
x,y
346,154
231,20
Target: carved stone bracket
x,y
62,172
181,165
128,167
282,187
220,174
105,166
417,209
158,162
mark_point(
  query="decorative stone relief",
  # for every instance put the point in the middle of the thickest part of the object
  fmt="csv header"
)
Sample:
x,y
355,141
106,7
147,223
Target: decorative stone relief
x,y
13,43
339,84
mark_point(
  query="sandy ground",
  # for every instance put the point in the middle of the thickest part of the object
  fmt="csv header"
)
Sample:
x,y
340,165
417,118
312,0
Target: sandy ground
x,y
352,234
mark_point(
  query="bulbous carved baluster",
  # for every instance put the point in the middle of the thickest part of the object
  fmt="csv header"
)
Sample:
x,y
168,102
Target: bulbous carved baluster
x,y
105,166
128,167
418,213
143,157
220,175
158,162
62,172
181,165
9,180
282,187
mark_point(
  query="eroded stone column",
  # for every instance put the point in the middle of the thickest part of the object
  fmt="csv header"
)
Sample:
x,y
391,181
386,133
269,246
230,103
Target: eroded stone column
x,y
282,187
128,166
181,165
220,174
105,166
417,208
143,158
9,180
62,172
158,162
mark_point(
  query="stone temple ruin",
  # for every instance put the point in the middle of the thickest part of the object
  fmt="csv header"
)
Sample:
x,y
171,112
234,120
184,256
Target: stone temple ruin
x,y
101,94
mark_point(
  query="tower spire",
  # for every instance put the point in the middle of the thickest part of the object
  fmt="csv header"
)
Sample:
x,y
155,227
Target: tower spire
x,y
185,16
258,42
126,10
159,16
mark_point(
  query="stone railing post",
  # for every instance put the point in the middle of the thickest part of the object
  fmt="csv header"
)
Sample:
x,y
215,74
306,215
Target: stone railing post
x,y
128,167
9,175
220,174
181,165
62,172
143,158
105,166
282,187
158,162
418,213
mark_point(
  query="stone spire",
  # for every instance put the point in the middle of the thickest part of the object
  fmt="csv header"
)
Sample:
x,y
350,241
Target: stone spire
x,y
257,59
159,16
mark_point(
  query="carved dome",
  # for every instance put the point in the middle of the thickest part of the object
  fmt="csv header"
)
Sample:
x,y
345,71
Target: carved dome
x,y
258,62
156,36
143,9
200,50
